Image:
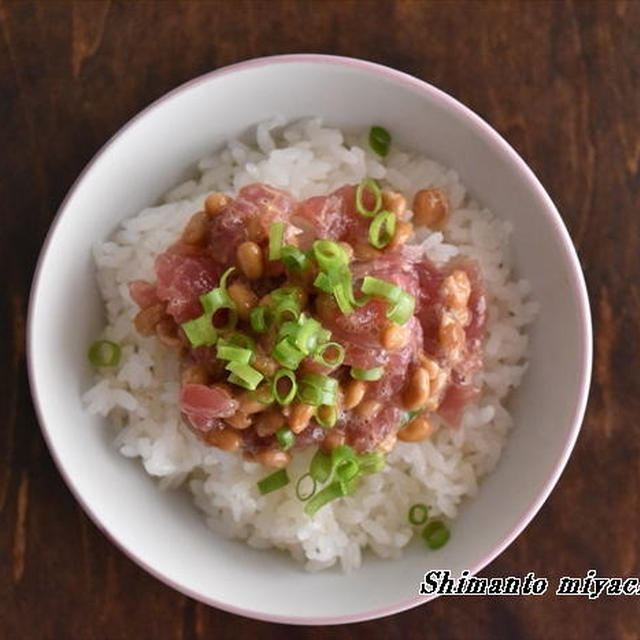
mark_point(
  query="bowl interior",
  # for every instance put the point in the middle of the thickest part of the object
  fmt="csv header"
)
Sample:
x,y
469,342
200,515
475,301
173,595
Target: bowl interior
x,y
161,530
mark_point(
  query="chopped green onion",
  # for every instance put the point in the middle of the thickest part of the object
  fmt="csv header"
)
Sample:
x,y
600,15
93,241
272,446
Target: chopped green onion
x,y
342,452
263,394
273,482
104,353
409,415
382,228
418,513
323,282
329,255
258,319
215,299
403,309
293,386
335,361
276,233
225,276
367,375
347,469
300,493
402,304
372,186
436,534
343,293
286,309
294,258
331,492
381,288
316,389
327,416
320,467
218,299
200,331
286,292
288,355
241,340
379,140
244,375
306,336
227,351
371,462
285,438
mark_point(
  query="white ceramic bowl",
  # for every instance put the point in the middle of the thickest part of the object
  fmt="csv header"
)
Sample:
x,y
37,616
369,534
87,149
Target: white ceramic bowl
x,y
162,531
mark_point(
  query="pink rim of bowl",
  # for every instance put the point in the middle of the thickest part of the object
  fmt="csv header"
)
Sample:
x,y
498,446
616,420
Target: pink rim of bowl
x,y
549,210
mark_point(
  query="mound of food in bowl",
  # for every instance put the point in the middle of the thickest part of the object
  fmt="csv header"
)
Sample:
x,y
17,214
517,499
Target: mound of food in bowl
x,y
317,335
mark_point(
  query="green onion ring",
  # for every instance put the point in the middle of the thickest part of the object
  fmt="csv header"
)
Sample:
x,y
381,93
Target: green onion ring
x,y
104,353
305,495
418,514
436,534
319,355
291,394
381,229
371,185
329,421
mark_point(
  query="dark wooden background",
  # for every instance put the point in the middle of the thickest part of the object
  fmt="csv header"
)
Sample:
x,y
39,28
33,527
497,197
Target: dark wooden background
x,y
560,80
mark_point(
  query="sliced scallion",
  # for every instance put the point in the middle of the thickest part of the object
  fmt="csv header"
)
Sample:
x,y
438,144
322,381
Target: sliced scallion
x,y
379,140
418,514
316,389
368,375
273,482
294,258
401,303
240,340
285,437
288,355
403,309
347,469
263,394
320,467
381,288
306,335
327,416
289,378
228,351
104,353
371,462
244,375
370,185
200,331
436,534
258,319
329,255
331,492
301,493
381,229
330,354
276,234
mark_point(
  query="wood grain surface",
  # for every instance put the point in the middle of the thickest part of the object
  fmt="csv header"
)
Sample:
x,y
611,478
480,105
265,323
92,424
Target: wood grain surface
x,y
560,80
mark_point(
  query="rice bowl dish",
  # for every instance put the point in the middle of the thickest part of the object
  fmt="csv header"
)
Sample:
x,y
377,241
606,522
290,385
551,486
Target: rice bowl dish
x,y
141,394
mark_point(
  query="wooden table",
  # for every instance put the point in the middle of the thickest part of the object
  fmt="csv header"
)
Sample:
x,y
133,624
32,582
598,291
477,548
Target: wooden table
x,y
560,80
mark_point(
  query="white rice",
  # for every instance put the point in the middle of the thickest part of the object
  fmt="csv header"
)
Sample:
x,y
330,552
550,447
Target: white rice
x,y
141,396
